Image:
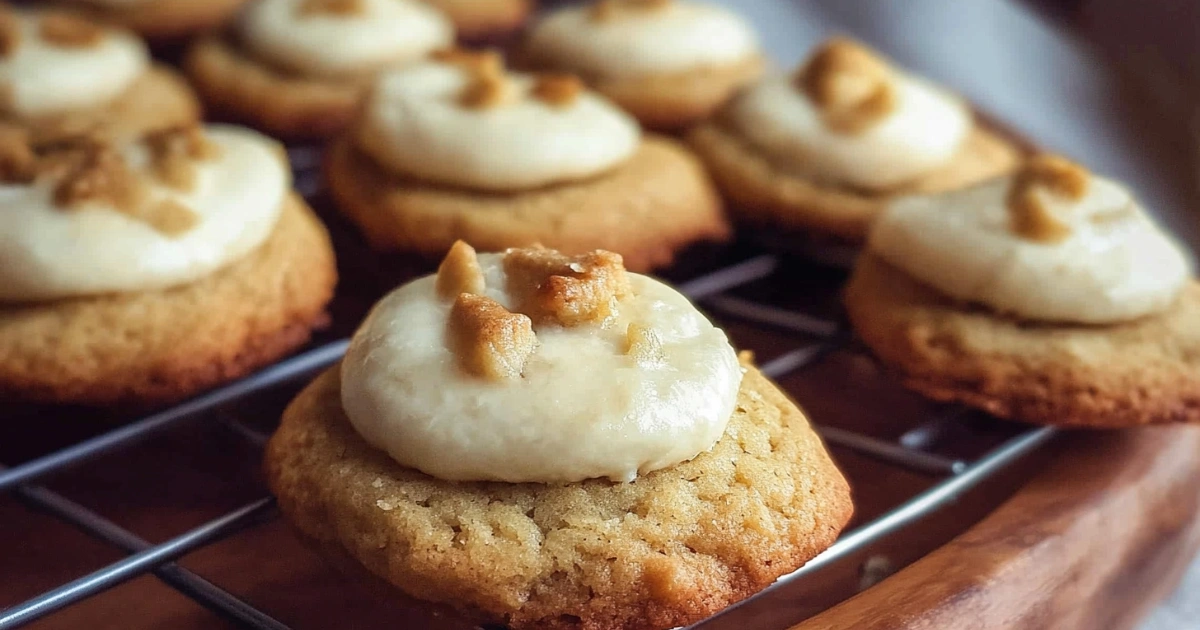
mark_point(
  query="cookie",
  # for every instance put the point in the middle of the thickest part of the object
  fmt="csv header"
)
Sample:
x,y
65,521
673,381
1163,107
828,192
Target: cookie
x,y
669,549
671,64
162,20
485,21
161,346
1146,371
648,209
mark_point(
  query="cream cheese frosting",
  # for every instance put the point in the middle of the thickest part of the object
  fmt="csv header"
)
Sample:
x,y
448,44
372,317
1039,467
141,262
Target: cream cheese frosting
x,y
50,252
920,130
1103,261
648,386
417,124
40,76
632,41
337,41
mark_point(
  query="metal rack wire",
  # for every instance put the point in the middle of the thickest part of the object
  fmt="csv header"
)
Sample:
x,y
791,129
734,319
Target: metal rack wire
x,y
912,451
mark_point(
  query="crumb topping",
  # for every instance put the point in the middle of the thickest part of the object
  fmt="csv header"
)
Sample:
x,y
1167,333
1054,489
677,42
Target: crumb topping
x,y
567,290
343,8
174,153
1044,174
606,10
643,344
459,272
69,31
850,84
558,90
490,341
10,31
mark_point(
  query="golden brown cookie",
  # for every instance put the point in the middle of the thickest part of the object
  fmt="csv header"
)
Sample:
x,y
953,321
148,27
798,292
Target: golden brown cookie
x,y
484,20
239,88
654,204
163,20
165,345
669,549
762,194
1142,372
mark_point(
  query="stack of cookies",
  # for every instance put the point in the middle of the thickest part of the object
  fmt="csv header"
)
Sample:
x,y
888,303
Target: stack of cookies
x,y
536,434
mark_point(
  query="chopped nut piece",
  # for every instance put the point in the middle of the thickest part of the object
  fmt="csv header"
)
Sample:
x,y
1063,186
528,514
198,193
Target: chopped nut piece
x,y
605,10
850,84
643,344
485,91
99,173
484,61
552,287
10,31
559,90
69,31
331,7
174,154
490,341
459,272
18,162
167,216
1052,174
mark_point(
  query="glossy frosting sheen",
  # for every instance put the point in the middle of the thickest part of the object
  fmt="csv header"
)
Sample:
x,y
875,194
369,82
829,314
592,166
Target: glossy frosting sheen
x,y
48,252
334,44
1115,264
676,37
582,408
923,133
415,125
40,77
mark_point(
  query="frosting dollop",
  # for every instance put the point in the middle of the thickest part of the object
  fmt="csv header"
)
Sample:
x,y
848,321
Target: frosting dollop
x,y
340,38
467,122
1050,243
629,39
144,217
555,369
847,118
54,63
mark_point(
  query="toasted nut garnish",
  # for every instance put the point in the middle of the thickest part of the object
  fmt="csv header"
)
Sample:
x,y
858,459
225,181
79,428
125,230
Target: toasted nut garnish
x,y
559,90
485,61
168,216
1043,174
605,10
850,84
331,7
552,287
69,31
10,31
99,173
459,272
18,162
486,90
174,153
490,341
643,344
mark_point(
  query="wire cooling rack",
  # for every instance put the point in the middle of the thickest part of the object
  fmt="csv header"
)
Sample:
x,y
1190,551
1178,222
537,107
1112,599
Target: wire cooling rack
x,y
748,291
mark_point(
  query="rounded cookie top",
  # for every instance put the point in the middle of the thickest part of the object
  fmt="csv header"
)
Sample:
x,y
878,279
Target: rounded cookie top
x,y
666,550
53,62
463,120
533,366
848,118
634,38
1051,242
92,216
342,38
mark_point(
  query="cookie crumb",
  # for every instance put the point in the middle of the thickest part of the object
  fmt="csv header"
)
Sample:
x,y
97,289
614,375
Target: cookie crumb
x,y
69,31
10,31
331,7
459,272
552,287
1052,174
850,84
490,341
644,345
558,90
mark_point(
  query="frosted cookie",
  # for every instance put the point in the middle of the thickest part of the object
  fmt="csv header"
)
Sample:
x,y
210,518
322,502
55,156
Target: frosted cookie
x,y
671,63
62,75
484,21
824,149
548,441
144,272
459,148
162,20
1047,296
298,68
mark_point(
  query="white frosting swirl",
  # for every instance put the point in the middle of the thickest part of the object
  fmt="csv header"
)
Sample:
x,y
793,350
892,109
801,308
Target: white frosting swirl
x,y
581,409
922,133
48,252
1115,264
415,125
334,44
676,37
42,77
